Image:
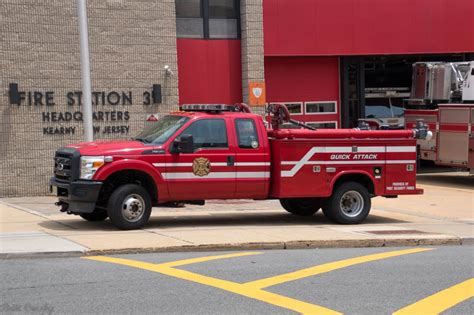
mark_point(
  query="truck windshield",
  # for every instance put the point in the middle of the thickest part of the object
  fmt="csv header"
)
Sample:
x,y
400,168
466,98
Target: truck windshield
x,y
162,130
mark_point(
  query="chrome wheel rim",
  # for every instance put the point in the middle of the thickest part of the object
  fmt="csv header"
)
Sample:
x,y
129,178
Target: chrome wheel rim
x,y
133,208
352,203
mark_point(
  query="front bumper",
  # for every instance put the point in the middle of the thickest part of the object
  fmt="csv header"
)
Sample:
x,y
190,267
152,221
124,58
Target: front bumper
x,y
80,196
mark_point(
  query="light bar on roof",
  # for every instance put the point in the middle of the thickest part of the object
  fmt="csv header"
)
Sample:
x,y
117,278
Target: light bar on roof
x,y
206,107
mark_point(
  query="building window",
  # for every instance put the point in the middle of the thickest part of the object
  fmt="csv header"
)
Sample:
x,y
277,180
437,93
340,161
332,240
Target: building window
x,y
290,126
209,19
294,108
189,21
315,124
323,124
320,107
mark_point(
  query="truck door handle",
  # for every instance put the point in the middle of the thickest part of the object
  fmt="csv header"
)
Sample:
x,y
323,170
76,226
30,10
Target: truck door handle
x,y
230,161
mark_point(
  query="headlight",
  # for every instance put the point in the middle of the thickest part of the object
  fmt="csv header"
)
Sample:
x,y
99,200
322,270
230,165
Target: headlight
x,y
89,165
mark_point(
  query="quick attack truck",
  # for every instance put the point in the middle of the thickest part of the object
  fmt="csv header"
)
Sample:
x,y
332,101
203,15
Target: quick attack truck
x,y
225,152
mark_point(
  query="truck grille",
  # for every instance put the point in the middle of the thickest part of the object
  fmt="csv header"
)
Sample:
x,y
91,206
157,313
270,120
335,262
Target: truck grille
x,y
66,164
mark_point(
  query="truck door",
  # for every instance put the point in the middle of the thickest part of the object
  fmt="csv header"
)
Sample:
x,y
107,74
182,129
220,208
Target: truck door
x,y
209,171
251,160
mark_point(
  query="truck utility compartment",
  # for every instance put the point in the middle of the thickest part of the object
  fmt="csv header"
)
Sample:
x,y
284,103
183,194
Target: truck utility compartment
x,y
311,163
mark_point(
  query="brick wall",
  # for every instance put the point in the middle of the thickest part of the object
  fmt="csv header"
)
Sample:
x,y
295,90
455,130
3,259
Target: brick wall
x,y
130,43
251,15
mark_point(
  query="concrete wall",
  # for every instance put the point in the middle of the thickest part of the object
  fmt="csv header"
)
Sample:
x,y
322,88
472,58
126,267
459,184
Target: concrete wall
x,y
130,43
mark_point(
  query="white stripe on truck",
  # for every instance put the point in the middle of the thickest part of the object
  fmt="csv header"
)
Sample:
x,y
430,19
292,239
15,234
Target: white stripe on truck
x,y
212,164
305,160
216,175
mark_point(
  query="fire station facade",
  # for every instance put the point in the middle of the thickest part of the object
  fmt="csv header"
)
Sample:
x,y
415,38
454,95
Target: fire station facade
x,y
147,56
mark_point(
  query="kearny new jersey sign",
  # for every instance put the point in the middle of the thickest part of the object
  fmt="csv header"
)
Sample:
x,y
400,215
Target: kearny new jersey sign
x,y
109,106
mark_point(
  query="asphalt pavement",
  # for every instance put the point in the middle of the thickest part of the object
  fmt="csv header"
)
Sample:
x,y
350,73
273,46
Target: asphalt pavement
x,y
410,280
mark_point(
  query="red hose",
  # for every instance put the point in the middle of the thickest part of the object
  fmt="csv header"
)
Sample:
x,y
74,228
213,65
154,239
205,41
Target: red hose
x,y
244,108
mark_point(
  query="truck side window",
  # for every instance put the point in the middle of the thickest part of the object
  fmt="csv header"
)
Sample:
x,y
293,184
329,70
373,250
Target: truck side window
x,y
246,133
208,133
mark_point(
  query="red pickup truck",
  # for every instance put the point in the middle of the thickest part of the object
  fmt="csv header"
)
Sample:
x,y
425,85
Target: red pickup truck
x,y
225,152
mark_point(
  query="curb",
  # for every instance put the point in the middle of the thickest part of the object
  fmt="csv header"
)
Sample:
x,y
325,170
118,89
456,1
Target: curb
x,y
467,240
4,256
254,246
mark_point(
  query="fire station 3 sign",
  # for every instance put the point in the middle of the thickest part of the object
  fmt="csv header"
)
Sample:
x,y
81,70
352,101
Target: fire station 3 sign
x,y
108,106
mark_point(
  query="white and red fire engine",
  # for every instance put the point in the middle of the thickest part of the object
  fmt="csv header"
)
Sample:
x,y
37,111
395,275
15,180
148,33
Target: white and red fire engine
x,y
225,152
442,95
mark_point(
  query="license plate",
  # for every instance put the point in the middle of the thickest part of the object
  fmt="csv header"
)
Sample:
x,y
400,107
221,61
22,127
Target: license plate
x,y
53,190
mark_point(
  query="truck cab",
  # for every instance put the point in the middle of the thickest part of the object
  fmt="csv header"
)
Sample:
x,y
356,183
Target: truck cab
x,y
206,156
185,156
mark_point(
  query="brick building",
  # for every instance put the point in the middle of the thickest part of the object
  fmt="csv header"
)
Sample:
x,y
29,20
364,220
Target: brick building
x,y
318,56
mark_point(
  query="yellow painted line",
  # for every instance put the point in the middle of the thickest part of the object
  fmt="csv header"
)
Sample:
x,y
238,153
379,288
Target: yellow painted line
x,y
319,269
254,289
441,301
204,259
237,288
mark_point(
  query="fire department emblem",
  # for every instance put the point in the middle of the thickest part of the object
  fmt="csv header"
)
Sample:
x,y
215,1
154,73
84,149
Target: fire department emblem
x,y
257,92
201,166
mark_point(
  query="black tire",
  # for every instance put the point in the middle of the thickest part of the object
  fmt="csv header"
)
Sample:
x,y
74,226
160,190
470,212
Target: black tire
x,y
129,207
97,215
301,206
357,206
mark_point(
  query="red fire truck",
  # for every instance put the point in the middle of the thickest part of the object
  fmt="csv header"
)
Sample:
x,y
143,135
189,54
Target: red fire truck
x,y
225,152
442,95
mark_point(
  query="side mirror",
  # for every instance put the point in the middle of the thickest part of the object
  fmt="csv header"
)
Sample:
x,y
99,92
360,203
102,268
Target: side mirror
x,y
183,144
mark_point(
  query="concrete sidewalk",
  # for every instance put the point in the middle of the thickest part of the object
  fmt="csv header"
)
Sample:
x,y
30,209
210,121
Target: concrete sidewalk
x,y
443,215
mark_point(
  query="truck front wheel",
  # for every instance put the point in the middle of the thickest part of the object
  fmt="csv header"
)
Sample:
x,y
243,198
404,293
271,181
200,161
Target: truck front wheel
x,y
301,206
349,204
129,207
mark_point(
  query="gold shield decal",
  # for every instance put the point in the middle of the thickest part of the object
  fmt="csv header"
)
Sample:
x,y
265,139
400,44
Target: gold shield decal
x,y
201,166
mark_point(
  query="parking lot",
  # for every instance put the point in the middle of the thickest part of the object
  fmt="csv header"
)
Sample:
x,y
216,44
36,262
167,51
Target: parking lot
x,y
417,280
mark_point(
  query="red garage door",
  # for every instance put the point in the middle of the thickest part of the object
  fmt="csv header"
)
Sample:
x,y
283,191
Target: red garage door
x,y
308,85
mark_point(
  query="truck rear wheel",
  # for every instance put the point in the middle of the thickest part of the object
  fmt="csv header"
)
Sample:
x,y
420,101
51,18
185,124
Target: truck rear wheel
x,y
349,204
97,215
129,207
301,206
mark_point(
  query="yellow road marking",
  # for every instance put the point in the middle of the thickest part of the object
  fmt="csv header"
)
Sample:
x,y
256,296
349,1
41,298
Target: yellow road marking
x,y
237,288
319,269
203,259
253,289
441,301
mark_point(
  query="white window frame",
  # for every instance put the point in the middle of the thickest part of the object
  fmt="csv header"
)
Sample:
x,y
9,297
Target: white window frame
x,y
293,103
319,102
323,122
